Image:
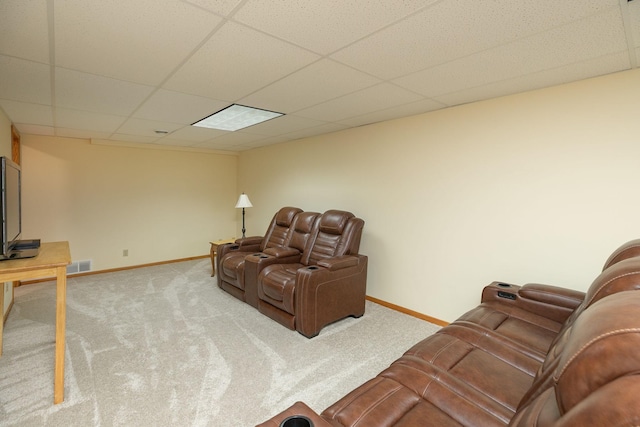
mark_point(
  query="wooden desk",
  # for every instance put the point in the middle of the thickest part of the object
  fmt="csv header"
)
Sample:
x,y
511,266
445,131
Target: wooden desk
x,y
214,248
52,260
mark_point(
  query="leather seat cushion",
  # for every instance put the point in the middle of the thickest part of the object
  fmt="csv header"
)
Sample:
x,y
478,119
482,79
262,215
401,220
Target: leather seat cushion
x,y
277,284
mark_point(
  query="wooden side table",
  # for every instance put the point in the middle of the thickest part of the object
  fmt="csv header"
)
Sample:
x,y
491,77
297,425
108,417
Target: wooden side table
x,y
52,261
214,248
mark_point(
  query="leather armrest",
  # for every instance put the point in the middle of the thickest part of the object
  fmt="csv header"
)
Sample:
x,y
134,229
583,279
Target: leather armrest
x,y
554,295
553,302
297,408
339,262
248,241
280,252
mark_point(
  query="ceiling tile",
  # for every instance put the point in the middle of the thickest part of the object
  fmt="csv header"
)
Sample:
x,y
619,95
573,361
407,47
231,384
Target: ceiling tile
x,y
175,107
22,112
312,85
314,131
634,18
318,26
453,29
236,62
144,127
578,41
82,91
365,101
85,120
404,110
25,81
221,7
140,41
283,124
24,29
81,133
32,129
197,134
573,72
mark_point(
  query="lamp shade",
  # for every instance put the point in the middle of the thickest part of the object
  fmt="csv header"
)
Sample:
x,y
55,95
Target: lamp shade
x,y
244,202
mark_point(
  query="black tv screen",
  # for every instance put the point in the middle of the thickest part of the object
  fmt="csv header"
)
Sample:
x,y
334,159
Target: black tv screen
x,y
11,205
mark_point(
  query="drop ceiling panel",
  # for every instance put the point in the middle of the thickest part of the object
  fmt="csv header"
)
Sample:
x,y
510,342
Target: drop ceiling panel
x,y
176,107
122,69
546,78
283,124
403,110
634,20
82,91
324,26
595,36
25,81
197,134
143,127
85,120
81,133
140,41
362,102
312,85
25,35
35,129
236,62
221,7
22,112
314,131
451,30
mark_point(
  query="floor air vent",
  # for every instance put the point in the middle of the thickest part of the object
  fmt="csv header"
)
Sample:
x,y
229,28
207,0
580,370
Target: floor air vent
x,y
79,267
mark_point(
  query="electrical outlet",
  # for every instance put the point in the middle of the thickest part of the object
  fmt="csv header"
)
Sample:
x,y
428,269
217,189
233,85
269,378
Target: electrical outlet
x,y
125,252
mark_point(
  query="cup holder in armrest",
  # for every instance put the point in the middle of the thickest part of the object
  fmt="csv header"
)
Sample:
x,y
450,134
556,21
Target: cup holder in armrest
x,y
264,256
312,267
297,421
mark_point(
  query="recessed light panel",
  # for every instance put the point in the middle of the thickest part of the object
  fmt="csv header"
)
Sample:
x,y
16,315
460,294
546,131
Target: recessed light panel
x,y
236,117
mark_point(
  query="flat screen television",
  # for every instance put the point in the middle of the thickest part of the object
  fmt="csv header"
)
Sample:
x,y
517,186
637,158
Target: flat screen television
x,y
11,207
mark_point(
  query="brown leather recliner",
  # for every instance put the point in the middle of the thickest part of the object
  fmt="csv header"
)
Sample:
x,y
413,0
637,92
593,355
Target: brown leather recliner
x,y
323,284
486,370
230,257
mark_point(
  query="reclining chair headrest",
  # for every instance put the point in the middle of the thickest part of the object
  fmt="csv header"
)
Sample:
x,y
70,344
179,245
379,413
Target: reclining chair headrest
x,y
304,221
628,250
285,216
622,276
334,221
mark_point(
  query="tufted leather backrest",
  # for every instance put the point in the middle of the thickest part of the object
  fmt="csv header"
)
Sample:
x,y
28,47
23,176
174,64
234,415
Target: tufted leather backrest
x,y
301,230
279,227
336,233
595,377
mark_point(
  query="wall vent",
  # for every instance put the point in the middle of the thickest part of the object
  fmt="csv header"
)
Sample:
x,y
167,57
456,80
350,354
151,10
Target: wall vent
x,y
79,267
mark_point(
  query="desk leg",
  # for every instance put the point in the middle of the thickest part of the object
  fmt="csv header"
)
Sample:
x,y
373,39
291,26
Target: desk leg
x,y
61,313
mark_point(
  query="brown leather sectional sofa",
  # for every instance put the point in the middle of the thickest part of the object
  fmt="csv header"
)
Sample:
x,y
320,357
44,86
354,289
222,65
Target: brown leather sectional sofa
x,y
532,355
304,273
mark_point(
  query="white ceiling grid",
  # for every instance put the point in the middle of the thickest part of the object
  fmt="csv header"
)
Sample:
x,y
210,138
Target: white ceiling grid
x,y
118,70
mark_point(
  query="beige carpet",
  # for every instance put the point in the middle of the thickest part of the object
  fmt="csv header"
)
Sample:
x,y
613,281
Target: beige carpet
x,y
164,346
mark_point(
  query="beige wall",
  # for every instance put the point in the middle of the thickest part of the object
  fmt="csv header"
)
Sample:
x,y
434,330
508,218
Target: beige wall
x,y
5,150
159,205
537,187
